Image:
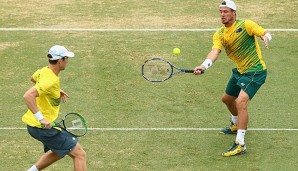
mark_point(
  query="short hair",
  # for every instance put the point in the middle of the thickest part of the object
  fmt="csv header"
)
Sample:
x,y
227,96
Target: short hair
x,y
54,61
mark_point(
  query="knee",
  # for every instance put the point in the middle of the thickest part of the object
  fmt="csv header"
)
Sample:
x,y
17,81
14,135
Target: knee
x,y
241,104
79,153
224,99
227,100
82,154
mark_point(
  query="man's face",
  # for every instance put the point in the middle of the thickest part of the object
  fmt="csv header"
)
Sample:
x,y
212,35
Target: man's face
x,y
227,15
63,63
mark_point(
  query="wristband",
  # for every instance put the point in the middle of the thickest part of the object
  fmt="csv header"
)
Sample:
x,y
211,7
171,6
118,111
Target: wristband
x,y
268,35
38,115
207,63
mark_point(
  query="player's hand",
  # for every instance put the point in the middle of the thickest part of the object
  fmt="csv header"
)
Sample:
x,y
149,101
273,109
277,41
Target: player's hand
x,y
266,38
46,124
63,96
198,70
266,41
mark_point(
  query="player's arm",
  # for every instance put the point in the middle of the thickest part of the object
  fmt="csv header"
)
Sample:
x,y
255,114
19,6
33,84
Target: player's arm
x,y
254,29
211,58
30,100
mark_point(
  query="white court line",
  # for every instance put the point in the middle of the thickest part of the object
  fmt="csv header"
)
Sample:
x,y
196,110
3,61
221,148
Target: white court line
x,y
103,29
128,30
167,129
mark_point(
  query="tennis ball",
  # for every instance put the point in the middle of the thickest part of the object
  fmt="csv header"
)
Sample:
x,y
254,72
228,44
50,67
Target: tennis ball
x,y
176,51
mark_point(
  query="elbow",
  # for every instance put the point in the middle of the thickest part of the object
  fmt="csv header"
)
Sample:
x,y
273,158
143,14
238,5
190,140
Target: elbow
x,y
30,94
26,96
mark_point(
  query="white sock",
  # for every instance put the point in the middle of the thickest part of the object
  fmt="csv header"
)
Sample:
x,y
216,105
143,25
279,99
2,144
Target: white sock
x,y
240,136
33,168
234,119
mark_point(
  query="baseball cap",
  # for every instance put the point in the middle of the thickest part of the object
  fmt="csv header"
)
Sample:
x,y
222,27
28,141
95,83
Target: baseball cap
x,y
229,4
58,52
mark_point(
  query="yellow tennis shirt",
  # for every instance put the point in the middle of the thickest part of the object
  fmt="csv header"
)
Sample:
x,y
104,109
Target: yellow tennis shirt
x,y
241,45
48,101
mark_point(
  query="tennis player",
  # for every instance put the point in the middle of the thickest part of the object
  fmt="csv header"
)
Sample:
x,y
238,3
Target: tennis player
x,y
43,102
239,38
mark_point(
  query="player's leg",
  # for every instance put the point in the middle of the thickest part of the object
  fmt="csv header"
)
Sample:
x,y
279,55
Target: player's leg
x,y
238,147
49,157
229,97
46,160
79,157
241,105
250,84
230,102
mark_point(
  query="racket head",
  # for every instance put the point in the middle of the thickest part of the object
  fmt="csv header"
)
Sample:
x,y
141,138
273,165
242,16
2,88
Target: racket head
x,y
157,70
75,124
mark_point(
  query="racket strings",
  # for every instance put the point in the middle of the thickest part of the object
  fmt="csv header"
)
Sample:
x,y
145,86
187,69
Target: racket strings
x,y
157,70
75,125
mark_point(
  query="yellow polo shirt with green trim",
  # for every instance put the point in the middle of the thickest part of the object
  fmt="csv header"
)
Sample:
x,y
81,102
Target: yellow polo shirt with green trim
x,y
48,101
241,45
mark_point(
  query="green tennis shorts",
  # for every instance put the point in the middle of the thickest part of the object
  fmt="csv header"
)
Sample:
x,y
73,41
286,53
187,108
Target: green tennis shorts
x,y
249,82
60,142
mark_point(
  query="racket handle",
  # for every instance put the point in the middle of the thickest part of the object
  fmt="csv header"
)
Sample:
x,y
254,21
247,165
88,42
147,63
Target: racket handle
x,y
52,124
191,71
188,70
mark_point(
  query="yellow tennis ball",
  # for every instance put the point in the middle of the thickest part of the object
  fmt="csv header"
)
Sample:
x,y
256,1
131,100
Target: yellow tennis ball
x,y
176,51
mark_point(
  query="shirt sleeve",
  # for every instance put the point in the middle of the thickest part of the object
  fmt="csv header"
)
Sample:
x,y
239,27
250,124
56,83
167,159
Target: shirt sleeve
x,y
216,41
35,75
253,28
43,86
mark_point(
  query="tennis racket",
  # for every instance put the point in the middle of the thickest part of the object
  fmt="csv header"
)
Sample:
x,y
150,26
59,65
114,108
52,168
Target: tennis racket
x,y
73,123
159,70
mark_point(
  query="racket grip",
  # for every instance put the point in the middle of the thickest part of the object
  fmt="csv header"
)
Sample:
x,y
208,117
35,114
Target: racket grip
x,y
52,124
189,71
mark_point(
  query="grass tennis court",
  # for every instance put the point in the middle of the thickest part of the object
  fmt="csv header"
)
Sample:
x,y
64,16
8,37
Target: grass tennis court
x,y
105,84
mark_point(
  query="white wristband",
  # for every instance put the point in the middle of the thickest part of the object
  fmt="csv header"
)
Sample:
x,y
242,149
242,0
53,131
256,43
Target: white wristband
x,y
38,115
268,35
207,63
